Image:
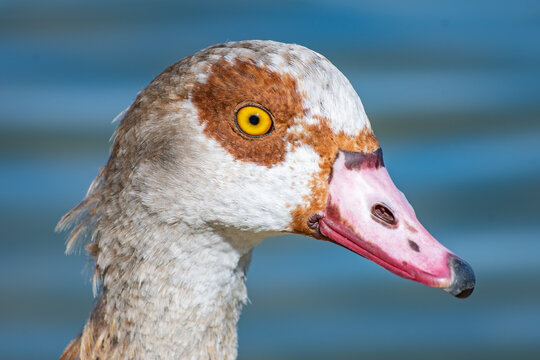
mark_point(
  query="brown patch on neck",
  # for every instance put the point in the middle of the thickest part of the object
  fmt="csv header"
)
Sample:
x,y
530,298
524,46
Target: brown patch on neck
x,y
327,144
230,84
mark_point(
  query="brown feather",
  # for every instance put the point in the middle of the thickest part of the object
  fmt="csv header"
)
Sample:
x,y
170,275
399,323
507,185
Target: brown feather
x,y
72,351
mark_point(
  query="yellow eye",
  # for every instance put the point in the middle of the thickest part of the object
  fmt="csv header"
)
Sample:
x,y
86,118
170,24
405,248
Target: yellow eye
x,y
253,120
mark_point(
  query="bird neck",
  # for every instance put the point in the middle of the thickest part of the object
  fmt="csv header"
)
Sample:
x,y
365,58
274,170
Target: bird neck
x,y
169,293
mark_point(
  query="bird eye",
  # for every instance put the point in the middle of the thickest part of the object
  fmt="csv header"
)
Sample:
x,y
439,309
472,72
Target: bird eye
x,y
253,120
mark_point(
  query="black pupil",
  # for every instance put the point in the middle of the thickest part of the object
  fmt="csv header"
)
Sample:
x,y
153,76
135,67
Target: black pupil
x,y
254,119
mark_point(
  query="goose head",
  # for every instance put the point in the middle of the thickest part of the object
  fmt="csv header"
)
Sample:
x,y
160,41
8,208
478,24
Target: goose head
x,y
258,138
236,143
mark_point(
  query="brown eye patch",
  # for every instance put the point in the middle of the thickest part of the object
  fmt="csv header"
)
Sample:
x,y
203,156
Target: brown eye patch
x,y
231,85
227,87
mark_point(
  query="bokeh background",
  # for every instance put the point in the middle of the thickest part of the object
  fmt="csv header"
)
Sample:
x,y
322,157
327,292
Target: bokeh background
x,y
453,92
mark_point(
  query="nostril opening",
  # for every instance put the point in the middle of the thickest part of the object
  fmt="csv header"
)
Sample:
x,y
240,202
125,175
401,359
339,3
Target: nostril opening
x,y
383,214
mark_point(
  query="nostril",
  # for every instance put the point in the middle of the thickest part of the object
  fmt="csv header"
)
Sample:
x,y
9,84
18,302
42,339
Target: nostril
x,y
383,214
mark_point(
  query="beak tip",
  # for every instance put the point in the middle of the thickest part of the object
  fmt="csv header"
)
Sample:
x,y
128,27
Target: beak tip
x,y
465,293
463,279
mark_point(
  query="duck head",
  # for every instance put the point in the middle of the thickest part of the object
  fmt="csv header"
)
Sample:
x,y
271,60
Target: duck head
x,y
258,138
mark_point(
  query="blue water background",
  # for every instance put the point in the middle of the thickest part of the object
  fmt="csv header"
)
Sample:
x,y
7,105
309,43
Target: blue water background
x,y
453,92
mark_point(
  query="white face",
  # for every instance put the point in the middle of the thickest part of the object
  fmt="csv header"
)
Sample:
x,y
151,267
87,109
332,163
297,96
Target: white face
x,y
253,133
274,181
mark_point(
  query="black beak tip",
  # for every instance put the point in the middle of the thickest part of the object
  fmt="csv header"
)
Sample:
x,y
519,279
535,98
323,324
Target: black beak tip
x,y
463,278
465,293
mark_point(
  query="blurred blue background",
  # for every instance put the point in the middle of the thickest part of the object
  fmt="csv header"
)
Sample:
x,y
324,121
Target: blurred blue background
x,y
453,92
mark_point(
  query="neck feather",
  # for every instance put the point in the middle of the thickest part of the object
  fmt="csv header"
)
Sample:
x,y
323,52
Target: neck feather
x,y
168,293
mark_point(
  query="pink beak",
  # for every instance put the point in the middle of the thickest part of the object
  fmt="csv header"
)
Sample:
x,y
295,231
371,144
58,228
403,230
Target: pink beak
x,y
367,214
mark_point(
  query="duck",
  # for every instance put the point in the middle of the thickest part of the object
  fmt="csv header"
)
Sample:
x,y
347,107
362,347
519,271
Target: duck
x,y
239,142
